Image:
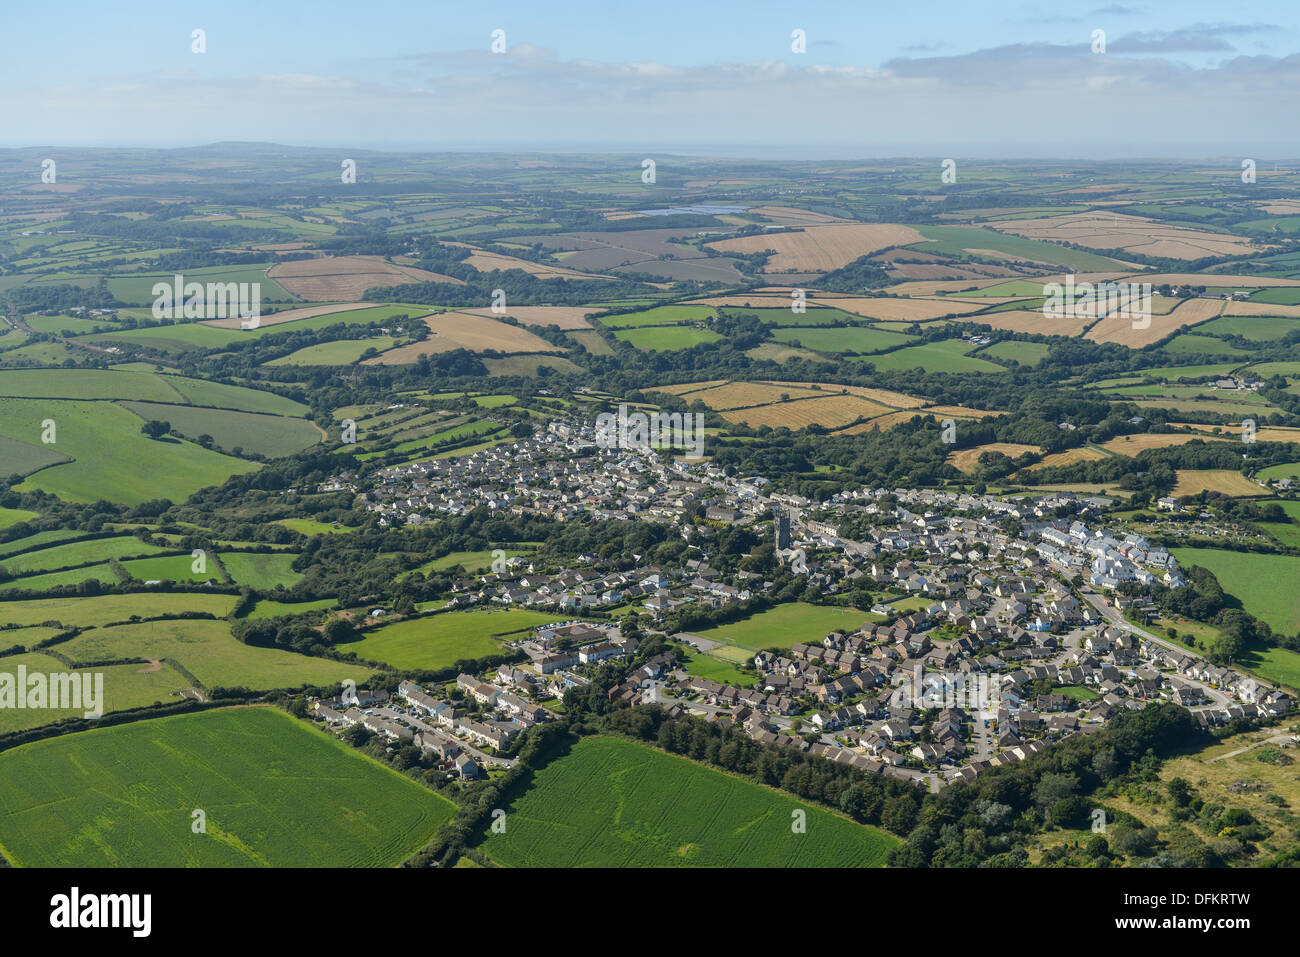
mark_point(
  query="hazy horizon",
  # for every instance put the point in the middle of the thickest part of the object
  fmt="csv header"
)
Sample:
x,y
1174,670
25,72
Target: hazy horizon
x,y
983,81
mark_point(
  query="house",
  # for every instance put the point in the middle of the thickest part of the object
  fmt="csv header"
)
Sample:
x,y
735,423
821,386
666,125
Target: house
x,y
482,693
468,768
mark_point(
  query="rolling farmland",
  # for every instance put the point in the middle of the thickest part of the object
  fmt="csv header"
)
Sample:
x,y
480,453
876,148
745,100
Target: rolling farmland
x,y
275,793
615,803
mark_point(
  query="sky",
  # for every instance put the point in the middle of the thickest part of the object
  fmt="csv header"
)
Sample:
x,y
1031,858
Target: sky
x,y
1187,79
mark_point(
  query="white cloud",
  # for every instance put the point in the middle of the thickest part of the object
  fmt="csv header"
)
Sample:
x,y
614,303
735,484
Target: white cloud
x,y
1025,99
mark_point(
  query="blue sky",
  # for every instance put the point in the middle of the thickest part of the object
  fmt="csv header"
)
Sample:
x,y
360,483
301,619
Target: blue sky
x,y
1192,79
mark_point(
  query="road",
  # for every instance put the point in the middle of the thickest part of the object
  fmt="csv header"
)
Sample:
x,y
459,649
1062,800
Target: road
x,y
414,722
1217,698
1275,739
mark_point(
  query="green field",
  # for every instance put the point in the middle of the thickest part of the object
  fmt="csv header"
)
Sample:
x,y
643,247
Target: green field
x,y
273,609
838,339
1263,583
1026,353
189,336
785,316
1278,295
10,517
1259,328
1273,664
340,352
308,526
659,316
177,568
449,435
94,610
274,791
957,240
1289,470
948,355
438,641
471,561
102,572
141,387
667,338
1192,344
274,436
261,570
705,666
211,653
138,287
27,637
616,803
69,325
786,625
1288,533
124,686
77,553
107,452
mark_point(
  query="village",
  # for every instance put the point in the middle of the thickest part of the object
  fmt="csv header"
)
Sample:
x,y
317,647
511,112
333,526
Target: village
x,y
1013,636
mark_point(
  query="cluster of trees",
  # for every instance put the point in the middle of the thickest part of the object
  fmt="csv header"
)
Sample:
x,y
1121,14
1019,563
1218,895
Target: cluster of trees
x,y
61,297
858,276
984,823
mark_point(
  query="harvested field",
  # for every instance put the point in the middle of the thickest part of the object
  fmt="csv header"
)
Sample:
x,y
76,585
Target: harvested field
x,y
1277,434
776,352
1224,481
685,387
458,330
1238,308
718,393
831,411
593,342
718,269
1117,329
899,400
967,460
1267,433
1031,321
639,250
1209,279
333,278
487,262
289,315
959,411
821,248
890,309
529,364
881,423
740,395
558,317
928,287
1068,457
1131,445
789,216
1103,230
